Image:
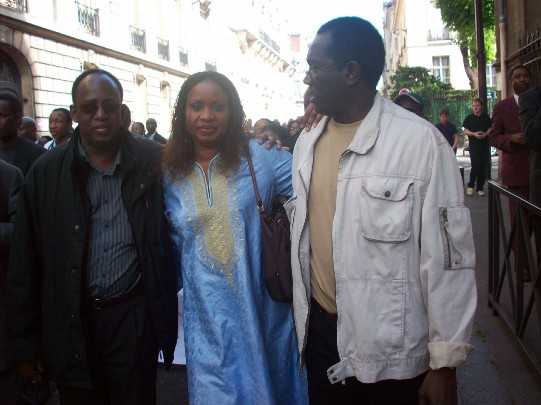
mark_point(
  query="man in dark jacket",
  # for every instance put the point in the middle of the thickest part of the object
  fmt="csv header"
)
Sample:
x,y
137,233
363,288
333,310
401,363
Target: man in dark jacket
x,y
96,301
152,133
16,151
11,179
530,121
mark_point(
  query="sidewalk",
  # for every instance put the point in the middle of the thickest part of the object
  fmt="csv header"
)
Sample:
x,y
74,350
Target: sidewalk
x,y
498,372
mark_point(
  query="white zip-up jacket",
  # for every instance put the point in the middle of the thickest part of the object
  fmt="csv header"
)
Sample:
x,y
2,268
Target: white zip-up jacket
x,y
403,249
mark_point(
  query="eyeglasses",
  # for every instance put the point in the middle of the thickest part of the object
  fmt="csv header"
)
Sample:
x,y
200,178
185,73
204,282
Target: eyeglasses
x,y
315,69
262,129
91,107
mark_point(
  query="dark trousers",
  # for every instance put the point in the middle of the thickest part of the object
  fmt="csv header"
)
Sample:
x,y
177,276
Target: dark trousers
x,y
322,353
479,156
123,357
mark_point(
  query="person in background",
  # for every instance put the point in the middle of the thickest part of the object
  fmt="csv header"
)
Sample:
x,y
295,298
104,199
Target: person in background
x,y
447,129
28,129
11,179
15,150
125,116
240,344
152,125
60,127
293,132
383,309
138,128
259,126
412,102
506,135
96,301
476,127
44,139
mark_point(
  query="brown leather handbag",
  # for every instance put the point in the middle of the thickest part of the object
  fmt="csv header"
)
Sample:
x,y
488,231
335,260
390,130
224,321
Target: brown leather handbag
x,y
276,249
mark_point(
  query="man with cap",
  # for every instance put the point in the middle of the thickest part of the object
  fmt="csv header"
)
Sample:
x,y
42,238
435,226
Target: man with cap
x,y
412,102
15,150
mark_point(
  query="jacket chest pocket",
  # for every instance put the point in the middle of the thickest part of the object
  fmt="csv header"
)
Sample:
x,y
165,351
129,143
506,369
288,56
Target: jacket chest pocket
x,y
386,209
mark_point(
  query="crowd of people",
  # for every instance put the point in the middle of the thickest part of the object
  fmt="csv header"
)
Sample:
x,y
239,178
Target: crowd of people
x,y
111,222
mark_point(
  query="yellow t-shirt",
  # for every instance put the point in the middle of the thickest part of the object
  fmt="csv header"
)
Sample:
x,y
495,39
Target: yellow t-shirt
x,y
330,146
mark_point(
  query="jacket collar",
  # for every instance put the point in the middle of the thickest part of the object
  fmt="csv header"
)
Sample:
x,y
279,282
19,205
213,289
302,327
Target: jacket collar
x,y
127,147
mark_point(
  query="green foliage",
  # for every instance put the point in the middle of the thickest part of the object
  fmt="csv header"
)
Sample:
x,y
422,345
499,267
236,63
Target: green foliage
x,y
459,17
417,79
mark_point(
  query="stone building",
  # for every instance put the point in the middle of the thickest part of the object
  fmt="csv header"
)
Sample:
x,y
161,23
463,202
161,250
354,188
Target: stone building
x,y
151,46
415,35
518,39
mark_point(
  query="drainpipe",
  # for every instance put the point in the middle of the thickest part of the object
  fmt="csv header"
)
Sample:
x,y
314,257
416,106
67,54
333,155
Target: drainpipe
x,y
503,50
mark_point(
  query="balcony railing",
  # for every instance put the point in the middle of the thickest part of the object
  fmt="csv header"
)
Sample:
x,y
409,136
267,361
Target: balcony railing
x,y
89,19
183,56
19,5
138,39
163,49
266,38
439,35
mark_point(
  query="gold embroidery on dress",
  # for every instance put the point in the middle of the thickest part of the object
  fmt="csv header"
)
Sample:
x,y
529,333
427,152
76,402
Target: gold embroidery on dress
x,y
210,219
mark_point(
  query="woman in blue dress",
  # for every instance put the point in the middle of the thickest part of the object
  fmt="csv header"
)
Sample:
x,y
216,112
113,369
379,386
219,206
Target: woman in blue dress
x,y
240,344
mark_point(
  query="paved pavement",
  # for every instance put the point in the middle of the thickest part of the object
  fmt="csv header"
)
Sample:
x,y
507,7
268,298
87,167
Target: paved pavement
x,y
498,372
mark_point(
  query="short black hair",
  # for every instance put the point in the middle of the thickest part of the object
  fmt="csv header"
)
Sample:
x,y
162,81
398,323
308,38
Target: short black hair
x,y
443,110
14,103
89,72
518,67
353,38
64,111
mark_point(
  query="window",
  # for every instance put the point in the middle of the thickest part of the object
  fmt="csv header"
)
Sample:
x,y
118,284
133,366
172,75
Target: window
x,y
491,76
440,68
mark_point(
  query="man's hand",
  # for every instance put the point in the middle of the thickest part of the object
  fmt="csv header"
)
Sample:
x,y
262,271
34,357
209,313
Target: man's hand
x,y
519,138
311,117
439,388
31,370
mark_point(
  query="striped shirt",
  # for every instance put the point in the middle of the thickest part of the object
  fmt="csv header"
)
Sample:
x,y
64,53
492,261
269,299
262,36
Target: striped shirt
x,y
112,266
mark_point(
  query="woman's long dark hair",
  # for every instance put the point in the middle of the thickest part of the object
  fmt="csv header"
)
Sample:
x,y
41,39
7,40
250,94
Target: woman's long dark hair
x,y
179,153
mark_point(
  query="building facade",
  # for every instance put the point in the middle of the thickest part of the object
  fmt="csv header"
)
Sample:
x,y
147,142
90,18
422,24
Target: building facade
x,y
152,47
518,39
415,35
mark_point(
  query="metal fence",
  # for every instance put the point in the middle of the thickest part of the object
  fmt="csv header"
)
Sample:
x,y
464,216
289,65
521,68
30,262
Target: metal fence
x,y
515,299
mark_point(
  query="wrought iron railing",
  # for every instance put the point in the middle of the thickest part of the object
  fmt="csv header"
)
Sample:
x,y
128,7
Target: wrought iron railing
x,y
138,39
163,49
530,53
183,56
510,294
266,38
439,35
19,5
89,19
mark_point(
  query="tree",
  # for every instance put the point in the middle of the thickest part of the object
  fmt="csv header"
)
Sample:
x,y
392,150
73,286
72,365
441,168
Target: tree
x,y
417,79
459,17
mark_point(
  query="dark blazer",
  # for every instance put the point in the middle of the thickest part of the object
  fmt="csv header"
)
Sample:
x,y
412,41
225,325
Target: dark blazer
x,y
45,289
515,158
158,138
530,121
26,155
11,179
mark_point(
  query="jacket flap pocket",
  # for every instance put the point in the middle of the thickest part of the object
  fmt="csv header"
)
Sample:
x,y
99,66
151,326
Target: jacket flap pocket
x,y
386,209
387,188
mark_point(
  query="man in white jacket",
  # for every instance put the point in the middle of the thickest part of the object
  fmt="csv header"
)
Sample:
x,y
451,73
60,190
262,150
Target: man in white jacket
x,y
382,247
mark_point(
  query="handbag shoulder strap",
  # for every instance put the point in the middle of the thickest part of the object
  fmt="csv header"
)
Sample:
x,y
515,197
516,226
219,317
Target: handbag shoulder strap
x,y
259,202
